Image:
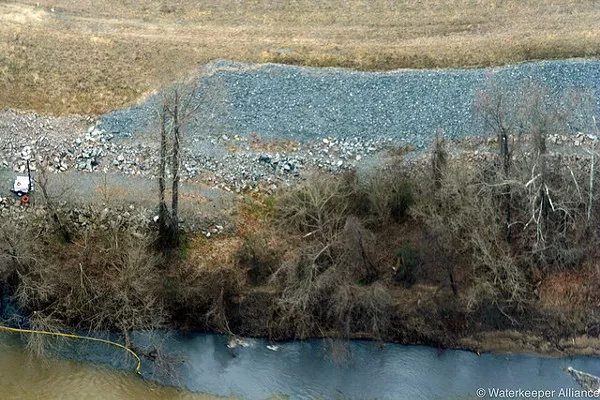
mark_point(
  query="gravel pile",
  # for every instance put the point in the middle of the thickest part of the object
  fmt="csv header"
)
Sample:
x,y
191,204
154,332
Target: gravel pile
x,y
234,163
249,167
26,135
81,216
64,143
261,126
339,119
298,103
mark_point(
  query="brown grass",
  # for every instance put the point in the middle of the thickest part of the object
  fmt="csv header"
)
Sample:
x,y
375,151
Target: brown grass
x,y
570,290
251,218
88,56
214,253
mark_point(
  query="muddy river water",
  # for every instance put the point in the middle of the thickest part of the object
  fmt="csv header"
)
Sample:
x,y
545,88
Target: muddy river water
x,y
202,367
26,377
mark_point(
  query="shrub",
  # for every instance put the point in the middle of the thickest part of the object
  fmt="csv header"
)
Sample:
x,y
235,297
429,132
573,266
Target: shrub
x,y
258,259
401,200
318,207
357,253
199,296
315,301
407,263
107,278
389,195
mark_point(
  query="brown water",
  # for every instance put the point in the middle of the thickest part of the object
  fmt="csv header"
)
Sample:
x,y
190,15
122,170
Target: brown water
x,y
26,377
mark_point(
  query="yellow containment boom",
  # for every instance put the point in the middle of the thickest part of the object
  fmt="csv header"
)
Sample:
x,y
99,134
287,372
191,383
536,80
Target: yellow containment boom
x,y
69,335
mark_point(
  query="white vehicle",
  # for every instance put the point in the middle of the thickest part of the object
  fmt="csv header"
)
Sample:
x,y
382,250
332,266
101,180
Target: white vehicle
x,y
22,185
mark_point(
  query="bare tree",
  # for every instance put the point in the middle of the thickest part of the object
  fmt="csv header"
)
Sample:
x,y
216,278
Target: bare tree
x,y
592,171
178,105
439,160
439,165
175,165
551,193
164,217
50,202
501,120
331,282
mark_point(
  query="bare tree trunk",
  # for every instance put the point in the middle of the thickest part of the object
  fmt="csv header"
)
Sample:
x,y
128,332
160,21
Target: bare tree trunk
x,y
591,194
543,195
178,105
507,192
453,285
43,184
163,213
175,171
592,175
439,160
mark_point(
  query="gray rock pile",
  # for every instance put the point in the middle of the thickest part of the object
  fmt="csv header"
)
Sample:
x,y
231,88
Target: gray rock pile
x,y
259,127
78,216
235,163
304,104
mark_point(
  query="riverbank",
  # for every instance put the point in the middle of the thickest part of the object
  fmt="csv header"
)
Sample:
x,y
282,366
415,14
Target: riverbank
x,y
341,255
422,323
514,342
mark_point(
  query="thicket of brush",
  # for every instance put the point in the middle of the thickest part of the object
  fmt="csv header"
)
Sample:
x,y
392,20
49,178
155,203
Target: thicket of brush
x,y
499,223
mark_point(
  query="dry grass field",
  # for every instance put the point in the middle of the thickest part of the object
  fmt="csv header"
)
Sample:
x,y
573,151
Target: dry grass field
x,y
87,57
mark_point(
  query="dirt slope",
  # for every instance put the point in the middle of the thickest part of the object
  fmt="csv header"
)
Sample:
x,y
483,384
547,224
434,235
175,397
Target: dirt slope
x,y
90,57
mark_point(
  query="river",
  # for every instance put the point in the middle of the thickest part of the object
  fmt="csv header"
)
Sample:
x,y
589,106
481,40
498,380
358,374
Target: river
x,y
202,367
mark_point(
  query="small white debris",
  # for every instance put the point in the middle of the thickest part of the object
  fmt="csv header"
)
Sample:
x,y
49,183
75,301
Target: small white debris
x,y
235,342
